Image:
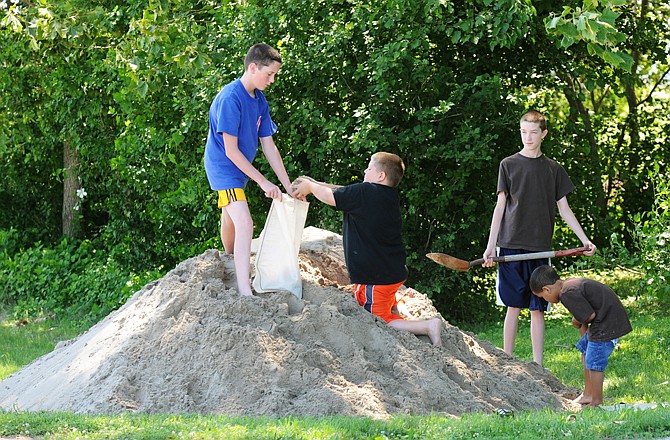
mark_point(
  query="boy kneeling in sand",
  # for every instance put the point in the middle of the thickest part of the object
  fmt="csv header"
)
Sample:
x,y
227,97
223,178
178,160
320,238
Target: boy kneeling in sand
x,y
371,233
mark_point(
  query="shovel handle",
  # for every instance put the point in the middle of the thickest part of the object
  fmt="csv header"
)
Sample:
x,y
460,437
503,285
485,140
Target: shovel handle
x,y
533,256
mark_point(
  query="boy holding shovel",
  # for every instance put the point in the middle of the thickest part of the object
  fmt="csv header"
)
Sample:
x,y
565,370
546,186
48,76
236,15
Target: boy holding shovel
x,y
530,187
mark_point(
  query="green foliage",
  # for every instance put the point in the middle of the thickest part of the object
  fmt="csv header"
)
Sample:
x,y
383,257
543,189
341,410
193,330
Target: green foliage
x,y
127,85
594,24
72,278
649,258
652,237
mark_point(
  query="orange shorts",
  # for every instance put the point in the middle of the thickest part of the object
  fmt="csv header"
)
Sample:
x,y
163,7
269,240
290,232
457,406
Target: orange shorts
x,y
226,196
378,299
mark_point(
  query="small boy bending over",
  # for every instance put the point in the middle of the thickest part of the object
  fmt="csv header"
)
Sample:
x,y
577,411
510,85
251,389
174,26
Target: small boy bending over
x,y
595,307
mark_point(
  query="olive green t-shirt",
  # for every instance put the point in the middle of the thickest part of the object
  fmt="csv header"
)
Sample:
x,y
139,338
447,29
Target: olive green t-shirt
x,y
533,186
582,297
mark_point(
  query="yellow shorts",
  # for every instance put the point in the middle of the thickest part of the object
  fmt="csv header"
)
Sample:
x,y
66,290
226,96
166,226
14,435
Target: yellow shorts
x,y
227,196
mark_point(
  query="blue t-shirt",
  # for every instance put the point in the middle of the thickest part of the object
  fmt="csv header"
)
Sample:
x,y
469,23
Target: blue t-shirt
x,y
235,112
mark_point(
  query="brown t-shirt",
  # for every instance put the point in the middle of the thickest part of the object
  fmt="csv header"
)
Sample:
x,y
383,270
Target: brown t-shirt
x,y
582,297
533,186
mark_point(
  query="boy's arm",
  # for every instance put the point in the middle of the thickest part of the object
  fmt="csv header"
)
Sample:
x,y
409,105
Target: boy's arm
x,y
572,222
327,185
498,212
235,155
582,326
306,185
273,156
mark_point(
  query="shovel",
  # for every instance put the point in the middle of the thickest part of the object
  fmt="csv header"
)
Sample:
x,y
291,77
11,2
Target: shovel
x,y
464,266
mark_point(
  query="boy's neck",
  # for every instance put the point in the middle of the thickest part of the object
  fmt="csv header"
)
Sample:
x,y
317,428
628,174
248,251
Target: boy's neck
x,y
248,85
533,154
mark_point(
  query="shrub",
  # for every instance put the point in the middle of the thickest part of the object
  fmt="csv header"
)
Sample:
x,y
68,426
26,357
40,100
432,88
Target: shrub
x,y
76,279
651,233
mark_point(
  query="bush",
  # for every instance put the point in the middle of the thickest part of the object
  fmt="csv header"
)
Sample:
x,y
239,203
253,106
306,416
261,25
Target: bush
x,y
75,279
651,233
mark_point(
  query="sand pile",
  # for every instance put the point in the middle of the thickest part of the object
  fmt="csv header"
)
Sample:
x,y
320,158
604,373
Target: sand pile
x,y
188,343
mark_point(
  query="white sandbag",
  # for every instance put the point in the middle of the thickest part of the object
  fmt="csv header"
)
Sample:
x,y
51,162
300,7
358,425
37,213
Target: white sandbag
x,y
278,245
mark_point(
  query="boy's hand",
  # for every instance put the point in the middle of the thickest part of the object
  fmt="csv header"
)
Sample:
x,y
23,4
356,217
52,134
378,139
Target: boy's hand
x,y
575,323
488,254
271,190
302,186
291,192
592,249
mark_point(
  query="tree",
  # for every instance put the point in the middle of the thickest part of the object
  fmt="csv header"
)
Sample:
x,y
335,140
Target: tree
x,y
614,100
109,101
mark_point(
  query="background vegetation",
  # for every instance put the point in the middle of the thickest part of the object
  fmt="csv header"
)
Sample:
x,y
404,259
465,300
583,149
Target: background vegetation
x,y
104,117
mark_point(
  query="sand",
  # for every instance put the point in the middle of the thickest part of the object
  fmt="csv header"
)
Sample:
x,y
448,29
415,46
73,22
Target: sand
x,y
188,343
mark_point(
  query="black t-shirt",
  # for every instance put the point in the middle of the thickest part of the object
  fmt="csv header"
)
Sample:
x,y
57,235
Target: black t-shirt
x,y
533,186
372,233
582,297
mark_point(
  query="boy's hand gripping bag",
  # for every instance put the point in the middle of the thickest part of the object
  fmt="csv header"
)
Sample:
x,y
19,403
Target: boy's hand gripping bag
x,y
278,245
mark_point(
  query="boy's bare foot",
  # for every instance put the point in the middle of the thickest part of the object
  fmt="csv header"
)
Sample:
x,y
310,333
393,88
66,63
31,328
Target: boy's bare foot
x,y
245,291
435,331
582,399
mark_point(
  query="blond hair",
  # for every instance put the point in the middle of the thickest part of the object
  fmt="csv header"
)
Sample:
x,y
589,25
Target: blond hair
x,y
535,116
391,164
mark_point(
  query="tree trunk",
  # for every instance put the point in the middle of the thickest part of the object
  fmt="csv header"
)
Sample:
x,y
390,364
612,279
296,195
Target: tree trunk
x,y
71,215
578,110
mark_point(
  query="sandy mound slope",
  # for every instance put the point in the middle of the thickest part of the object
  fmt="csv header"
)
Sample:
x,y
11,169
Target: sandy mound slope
x,y
188,343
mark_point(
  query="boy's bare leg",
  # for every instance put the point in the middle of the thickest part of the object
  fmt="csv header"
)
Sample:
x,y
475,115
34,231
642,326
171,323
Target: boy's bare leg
x,y
510,329
537,335
240,216
227,232
586,397
597,379
431,327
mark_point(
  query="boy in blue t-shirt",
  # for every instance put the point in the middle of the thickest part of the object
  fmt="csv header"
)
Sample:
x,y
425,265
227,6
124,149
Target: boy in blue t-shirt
x,y
238,117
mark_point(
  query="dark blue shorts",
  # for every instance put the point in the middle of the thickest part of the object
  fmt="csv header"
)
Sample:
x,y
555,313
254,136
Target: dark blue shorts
x,y
513,280
596,354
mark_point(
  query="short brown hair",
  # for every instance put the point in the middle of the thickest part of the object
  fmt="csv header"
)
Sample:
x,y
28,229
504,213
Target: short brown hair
x,y
542,276
391,164
262,55
535,116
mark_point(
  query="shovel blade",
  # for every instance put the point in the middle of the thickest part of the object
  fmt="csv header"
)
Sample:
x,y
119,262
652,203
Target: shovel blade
x,y
449,261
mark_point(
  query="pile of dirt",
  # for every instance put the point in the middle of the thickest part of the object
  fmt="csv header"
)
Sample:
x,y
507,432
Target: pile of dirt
x,y
188,343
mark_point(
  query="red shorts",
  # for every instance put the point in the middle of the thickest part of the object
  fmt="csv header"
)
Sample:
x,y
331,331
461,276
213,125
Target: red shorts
x,y
378,299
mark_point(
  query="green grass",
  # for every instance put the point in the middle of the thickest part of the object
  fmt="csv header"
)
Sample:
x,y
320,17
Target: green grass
x,y
639,372
587,424
21,344
639,369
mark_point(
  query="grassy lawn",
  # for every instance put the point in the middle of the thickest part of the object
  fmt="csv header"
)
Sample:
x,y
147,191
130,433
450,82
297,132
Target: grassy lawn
x,y
639,369
20,344
638,373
